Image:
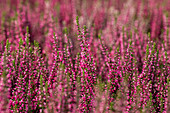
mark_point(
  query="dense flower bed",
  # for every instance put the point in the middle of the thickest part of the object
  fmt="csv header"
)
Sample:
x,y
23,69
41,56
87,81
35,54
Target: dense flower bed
x,y
86,56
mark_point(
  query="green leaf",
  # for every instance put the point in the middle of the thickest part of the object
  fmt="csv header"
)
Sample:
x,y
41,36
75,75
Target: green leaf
x,y
147,50
168,80
7,44
157,53
27,29
149,35
30,50
130,43
77,20
166,53
13,63
36,44
20,42
65,31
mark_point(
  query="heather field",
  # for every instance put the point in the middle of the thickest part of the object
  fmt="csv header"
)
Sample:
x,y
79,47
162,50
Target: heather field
x,y
84,56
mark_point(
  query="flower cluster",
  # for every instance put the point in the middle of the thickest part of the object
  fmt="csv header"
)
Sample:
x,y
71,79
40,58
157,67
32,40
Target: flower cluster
x,y
114,57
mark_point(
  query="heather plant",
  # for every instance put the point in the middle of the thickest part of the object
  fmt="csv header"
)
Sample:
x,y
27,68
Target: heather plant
x,y
26,73
151,81
87,56
87,70
130,76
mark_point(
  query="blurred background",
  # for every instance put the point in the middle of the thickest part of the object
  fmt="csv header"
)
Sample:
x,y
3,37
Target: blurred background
x,y
111,19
